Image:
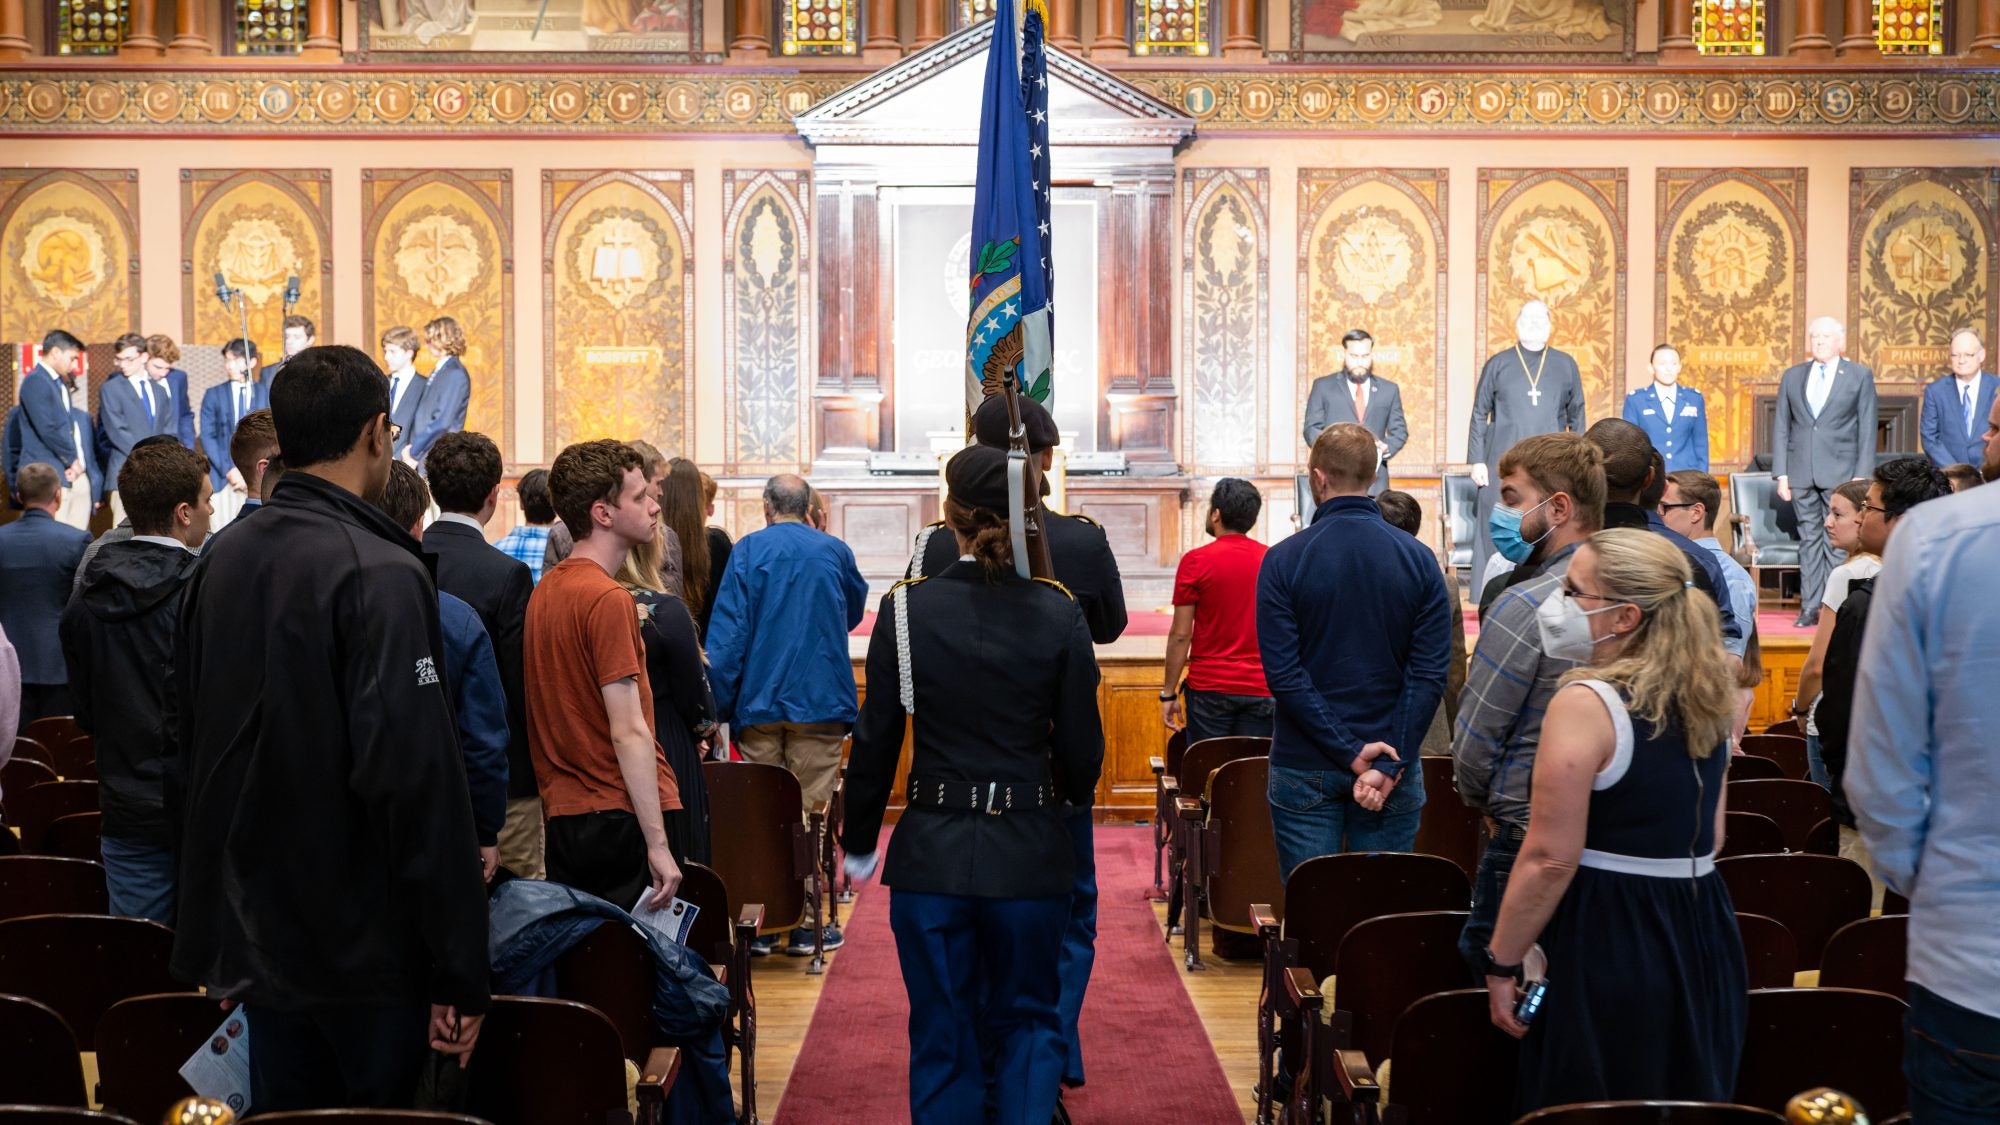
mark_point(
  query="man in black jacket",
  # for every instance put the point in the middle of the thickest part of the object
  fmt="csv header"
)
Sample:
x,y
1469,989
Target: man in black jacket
x,y
464,471
329,867
117,634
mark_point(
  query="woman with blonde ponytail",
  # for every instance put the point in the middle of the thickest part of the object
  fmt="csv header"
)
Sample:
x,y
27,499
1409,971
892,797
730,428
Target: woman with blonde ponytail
x,y
1615,891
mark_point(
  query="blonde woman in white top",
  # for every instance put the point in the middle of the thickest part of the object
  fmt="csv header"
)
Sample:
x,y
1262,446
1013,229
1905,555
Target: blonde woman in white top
x,y
1843,531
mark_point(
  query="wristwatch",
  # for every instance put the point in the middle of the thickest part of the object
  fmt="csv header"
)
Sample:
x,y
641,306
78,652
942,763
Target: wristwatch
x,y
1491,966
1168,696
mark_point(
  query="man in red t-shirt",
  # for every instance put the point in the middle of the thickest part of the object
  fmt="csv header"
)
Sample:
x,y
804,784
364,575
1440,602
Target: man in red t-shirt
x,y
1214,634
603,779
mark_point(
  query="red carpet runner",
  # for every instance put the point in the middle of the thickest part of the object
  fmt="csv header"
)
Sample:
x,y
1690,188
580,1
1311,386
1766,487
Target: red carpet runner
x,y
1146,1055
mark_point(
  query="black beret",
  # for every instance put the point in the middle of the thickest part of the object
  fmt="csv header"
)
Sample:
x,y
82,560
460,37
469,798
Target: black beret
x,y
977,477
989,423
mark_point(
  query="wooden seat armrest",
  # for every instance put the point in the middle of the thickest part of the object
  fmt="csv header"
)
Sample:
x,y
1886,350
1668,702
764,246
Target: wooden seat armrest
x,y
663,1065
1357,1078
1170,785
1264,920
750,921
1158,765
1302,990
1188,808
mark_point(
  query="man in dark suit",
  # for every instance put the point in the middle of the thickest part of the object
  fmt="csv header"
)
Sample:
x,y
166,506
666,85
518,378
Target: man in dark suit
x,y
464,470
1356,394
222,407
38,557
49,433
10,457
406,387
449,390
161,355
129,410
1824,437
299,334
1953,424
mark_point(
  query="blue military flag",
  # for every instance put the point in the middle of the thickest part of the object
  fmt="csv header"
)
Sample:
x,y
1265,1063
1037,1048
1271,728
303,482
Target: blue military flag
x,y
1011,321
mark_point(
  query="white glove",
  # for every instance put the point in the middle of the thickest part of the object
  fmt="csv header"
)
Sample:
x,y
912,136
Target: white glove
x,y
858,867
1479,478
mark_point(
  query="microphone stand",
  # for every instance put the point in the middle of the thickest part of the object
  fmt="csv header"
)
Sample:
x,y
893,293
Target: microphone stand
x,y
243,314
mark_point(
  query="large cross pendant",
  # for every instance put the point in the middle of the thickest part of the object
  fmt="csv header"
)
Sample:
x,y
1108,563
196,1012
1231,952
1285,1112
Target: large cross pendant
x,y
1535,396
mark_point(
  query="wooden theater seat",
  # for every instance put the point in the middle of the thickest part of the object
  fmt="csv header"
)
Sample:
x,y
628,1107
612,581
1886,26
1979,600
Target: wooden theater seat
x,y
1448,826
41,1065
82,964
33,884
764,848
1795,805
1748,833
1769,953
1813,895
1802,1038
1166,763
1232,858
55,1115
76,836
20,773
1788,750
1198,763
1327,897
142,1043
1452,1066
1868,953
52,731
1750,767
367,1117
557,1062
1651,1113
33,809
725,941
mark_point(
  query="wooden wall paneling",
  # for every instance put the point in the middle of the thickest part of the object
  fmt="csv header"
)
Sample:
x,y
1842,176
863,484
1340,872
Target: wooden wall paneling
x,y
1128,702
257,229
1139,384
1117,242
848,392
880,524
68,254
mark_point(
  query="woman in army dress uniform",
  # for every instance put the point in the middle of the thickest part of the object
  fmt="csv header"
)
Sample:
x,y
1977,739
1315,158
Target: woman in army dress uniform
x,y
998,677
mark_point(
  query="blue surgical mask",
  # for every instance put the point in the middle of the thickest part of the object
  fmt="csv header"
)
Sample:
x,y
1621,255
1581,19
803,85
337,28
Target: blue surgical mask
x,y
1505,526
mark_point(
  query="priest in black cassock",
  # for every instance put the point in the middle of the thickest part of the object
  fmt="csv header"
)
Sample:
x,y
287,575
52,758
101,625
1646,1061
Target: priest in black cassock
x,y
1525,389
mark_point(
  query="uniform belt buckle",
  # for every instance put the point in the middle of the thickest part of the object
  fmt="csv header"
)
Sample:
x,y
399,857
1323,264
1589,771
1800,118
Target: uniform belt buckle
x,y
992,789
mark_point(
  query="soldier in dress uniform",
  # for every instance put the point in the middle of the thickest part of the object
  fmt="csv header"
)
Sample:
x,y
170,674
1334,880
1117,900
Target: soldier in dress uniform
x,y
1083,563
997,675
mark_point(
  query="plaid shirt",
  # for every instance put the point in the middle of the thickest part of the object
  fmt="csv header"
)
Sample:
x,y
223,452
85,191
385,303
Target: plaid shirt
x,y
529,544
1507,690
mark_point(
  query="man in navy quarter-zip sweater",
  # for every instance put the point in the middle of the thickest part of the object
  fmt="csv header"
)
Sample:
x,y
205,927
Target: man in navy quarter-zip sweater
x,y
1355,629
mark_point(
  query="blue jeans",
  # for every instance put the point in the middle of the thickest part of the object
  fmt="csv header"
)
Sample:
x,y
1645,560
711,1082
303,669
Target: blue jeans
x,y
1951,1058
1216,714
1489,886
982,979
1313,814
140,878
1816,765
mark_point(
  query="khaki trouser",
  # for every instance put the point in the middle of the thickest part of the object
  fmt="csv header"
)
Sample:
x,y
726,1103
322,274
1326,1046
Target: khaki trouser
x,y
75,508
521,846
810,750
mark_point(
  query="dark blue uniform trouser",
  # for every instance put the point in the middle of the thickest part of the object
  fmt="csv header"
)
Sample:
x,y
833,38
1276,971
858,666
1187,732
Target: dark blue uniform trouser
x,y
1079,943
981,970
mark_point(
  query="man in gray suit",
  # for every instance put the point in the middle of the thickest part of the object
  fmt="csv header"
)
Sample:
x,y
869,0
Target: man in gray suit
x,y
1356,394
1824,437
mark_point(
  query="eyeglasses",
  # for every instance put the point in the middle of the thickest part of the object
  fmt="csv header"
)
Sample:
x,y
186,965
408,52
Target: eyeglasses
x,y
1576,593
1688,504
1876,508
395,431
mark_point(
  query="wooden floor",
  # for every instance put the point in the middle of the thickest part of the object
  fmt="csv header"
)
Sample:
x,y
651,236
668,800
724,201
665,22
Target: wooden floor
x,y
1225,997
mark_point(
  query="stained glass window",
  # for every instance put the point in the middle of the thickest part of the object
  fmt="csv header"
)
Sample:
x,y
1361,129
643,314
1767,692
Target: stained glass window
x,y
970,12
1909,27
1170,27
89,27
1728,27
268,27
819,27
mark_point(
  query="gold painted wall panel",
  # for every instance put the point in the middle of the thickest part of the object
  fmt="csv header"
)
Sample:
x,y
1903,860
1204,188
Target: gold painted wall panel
x,y
67,254
1557,236
1920,265
767,321
617,305
258,229
1729,288
1225,315
441,243
1372,255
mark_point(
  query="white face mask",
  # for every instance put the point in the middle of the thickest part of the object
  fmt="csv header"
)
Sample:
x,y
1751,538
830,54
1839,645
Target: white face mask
x,y
1565,628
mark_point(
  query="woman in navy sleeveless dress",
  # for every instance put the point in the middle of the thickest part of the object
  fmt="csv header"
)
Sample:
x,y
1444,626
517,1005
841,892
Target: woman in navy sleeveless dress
x,y
1646,982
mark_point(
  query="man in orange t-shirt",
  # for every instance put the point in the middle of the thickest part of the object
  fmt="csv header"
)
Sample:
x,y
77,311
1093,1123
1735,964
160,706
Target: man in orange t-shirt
x,y
603,779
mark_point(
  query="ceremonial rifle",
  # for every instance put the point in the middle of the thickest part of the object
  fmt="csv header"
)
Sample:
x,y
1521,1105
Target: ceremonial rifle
x,y
1026,518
